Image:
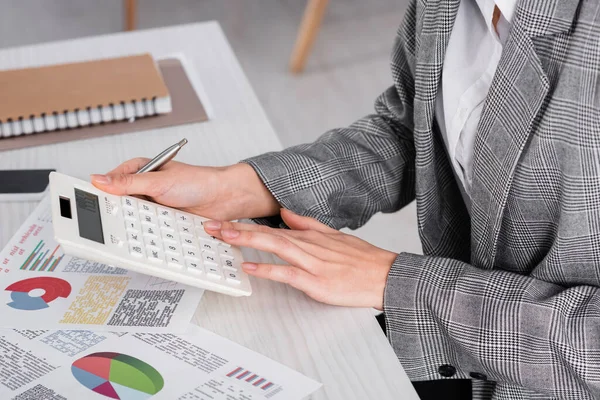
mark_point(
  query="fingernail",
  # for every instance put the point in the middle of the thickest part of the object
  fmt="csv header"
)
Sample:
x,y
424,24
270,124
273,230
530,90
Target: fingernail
x,y
212,225
230,233
249,266
101,179
288,210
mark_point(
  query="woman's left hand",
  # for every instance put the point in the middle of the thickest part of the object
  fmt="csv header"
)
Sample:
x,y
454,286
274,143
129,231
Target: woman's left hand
x,y
328,265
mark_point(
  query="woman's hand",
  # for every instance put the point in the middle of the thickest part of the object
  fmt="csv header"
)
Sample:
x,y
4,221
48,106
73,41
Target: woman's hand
x,y
222,193
329,266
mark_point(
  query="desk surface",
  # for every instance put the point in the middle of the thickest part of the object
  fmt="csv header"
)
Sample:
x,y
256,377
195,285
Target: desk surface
x,y
340,347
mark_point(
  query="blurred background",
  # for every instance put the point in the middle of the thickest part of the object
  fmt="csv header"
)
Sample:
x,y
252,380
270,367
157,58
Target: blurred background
x,y
345,70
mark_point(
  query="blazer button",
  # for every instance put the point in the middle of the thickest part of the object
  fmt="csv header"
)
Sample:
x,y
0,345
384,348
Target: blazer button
x,y
477,375
447,370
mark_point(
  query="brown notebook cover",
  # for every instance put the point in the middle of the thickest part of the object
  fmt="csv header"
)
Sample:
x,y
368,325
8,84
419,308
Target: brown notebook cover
x,y
67,87
187,109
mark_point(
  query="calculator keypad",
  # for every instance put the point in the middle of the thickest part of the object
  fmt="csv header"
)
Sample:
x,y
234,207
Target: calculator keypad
x,y
177,241
165,213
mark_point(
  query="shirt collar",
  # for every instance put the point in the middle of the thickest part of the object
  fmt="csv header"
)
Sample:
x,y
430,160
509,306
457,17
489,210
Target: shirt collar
x,y
507,8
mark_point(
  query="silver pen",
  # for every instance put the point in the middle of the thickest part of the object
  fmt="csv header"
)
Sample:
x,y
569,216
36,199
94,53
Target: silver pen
x,y
164,157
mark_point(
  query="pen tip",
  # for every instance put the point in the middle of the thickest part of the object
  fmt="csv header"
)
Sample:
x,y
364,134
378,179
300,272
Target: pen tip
x,y
183,142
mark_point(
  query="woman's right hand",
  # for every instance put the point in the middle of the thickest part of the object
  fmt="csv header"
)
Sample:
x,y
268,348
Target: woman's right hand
x,y
222,193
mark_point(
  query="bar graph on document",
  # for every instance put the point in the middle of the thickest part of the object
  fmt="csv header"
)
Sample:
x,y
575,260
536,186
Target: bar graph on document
x,y
43,258
250,379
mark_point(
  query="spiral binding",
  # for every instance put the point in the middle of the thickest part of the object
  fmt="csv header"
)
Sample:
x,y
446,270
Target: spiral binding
x,y
123,111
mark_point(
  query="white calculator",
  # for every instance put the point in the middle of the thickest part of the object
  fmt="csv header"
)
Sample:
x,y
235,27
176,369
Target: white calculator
x,y
142,236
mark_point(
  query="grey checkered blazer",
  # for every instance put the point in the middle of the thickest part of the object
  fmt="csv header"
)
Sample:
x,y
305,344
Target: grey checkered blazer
x,y
511,291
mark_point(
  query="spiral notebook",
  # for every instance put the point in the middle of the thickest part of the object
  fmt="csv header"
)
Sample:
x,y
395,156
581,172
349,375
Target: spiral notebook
x,y
96,98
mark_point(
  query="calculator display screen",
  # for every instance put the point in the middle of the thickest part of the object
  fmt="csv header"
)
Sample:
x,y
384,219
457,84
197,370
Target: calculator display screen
x,y
88,216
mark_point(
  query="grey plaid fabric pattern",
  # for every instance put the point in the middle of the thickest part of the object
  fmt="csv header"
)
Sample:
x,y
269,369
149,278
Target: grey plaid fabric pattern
x,y
511,290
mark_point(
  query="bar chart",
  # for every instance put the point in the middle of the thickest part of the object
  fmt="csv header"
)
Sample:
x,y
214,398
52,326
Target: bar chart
x,y
254,380
42,258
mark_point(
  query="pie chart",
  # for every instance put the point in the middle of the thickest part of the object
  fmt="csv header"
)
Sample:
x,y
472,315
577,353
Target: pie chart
x,y
118,376
53,288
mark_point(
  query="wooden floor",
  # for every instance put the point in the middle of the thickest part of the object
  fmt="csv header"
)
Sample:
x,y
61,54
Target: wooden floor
x,y
347,69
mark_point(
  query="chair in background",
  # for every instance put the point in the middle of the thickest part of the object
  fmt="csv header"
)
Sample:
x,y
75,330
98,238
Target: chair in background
x,y
130,14
307,34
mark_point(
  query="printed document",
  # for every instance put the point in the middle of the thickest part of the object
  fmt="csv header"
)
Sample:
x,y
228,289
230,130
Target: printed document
x,y
43,288
199,365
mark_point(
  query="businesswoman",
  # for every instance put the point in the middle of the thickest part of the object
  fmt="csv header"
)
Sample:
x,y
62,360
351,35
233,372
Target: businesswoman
x,y
493,125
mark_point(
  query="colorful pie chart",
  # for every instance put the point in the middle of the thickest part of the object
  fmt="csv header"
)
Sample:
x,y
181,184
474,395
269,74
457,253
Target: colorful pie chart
x,y
118,376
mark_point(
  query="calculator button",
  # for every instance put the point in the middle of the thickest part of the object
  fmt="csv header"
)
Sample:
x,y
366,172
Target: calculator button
x,y
215,240
199,221
232,277
155,255
223,244
136,250
189,241
134,237
153,242
200,232
129,202
186,229
130,213
225,252
213,271
165,213
172,248
183,218
207,245
133,226
147,209
174,261
166,224
150,230
191,253
114,208
210,258
194,266
148,219
231,265
169,236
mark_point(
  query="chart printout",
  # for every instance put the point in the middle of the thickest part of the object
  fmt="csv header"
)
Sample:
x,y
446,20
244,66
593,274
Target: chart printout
x,y
42,288
199,365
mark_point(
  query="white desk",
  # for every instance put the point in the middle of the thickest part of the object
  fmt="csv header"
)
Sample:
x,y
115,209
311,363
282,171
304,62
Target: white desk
x,y
340,347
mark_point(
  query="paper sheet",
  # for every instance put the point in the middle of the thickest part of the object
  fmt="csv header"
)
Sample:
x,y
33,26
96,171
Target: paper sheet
x,y
42,288
65,365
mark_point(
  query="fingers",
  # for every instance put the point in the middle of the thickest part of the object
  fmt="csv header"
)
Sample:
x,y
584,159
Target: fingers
x,y
117,181
287,274
310,242
150,184
295,221
214,227
281,246
130,167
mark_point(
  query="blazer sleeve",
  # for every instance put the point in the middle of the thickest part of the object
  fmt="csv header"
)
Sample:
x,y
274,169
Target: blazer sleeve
x,y
349,174
514,329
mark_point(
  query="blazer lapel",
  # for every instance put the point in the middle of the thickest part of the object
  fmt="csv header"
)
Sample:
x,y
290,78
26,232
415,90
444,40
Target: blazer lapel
x,y
437,25
436,209
513,106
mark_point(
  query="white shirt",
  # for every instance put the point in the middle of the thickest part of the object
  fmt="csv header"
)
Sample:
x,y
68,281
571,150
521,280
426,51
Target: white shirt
x,y
472,56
